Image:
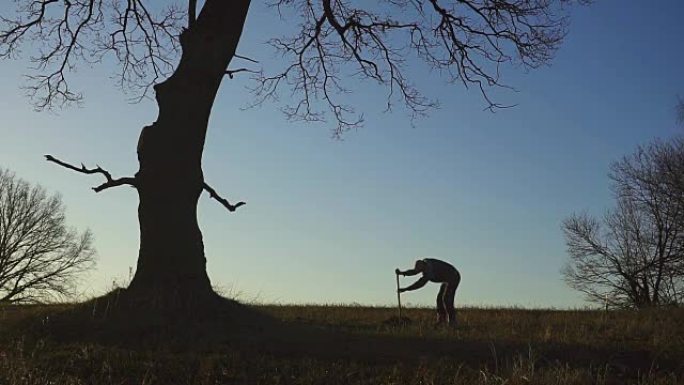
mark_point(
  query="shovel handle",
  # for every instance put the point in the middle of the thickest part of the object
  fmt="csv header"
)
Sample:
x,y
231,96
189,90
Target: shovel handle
x,y
398,296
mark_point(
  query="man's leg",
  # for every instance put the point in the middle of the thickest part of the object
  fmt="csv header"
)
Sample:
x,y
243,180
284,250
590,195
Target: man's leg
x,y
449,294
441,310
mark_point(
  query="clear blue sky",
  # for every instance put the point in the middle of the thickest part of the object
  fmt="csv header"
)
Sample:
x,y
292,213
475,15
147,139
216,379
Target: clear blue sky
x,y
328,221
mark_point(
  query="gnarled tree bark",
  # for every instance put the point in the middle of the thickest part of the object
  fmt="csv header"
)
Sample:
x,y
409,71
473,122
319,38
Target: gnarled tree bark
x,y
171,263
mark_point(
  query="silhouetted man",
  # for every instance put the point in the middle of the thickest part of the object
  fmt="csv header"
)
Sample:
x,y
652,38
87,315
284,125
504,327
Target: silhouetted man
x,y
434,270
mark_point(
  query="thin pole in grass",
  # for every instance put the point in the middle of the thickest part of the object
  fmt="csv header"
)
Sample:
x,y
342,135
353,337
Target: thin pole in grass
x,y
604,313
398,296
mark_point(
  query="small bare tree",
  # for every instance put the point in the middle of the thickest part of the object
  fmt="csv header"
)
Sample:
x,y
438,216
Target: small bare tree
x,y
39,256
634,258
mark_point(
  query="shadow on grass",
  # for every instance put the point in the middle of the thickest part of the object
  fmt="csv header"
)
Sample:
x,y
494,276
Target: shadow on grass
x,y
222,325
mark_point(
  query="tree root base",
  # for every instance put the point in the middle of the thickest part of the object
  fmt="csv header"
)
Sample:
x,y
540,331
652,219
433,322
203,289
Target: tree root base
x,y
122,319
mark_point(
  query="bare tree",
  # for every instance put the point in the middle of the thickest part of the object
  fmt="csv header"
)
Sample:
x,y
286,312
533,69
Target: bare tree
x,y
635,257
184,55
40,258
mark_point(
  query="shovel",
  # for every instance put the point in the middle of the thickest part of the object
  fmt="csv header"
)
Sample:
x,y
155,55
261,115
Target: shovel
x,y
398,296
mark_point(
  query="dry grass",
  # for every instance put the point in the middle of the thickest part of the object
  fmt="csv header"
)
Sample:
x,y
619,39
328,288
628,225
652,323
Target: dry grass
x,y
655,330
356,346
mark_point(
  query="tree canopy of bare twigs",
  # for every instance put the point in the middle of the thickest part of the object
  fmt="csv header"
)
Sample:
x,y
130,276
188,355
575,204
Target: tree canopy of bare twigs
x,y
634,257
144,41
335,44
40,257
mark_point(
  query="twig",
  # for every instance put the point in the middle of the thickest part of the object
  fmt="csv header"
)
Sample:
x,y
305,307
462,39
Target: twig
x,y
231,73
111,182
246,58
221,200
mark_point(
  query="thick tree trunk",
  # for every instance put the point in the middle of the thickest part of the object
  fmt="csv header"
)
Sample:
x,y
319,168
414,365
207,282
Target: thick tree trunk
x,y
171,264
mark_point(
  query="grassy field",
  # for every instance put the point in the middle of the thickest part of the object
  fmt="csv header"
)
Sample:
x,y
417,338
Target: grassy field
x,y
361,345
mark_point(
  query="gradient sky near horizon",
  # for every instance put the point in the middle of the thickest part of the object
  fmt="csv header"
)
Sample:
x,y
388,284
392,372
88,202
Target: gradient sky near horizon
x,y
328,221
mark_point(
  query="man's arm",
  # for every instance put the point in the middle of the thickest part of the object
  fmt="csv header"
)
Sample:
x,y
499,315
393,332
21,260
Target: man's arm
x,y
416,285
407,272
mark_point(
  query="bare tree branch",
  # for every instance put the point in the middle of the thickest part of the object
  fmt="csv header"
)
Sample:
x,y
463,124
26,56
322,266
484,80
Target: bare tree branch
x,y
231,73
337,43
467,41
111,182
145,43
192,12
246,58
221,200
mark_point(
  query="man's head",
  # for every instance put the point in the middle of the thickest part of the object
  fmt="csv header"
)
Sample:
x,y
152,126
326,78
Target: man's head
x,y
420,265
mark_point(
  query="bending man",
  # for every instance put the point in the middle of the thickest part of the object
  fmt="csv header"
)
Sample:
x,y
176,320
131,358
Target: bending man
x,y
434,270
